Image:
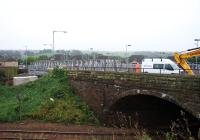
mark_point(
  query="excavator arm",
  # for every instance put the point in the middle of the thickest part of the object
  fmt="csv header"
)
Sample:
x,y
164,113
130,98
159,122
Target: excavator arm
x,y
181,59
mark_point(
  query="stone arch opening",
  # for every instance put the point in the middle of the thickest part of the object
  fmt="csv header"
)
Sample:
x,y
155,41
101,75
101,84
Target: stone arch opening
x,y
145,111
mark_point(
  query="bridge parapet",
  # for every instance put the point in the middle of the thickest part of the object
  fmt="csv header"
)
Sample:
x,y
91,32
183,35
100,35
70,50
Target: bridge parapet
x,y
145,81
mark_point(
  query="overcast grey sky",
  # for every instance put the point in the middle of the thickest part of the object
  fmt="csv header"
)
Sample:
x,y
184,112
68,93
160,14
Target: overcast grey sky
x,y
156,25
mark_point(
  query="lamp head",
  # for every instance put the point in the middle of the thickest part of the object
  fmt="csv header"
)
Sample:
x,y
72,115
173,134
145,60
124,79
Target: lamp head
x,y
196,39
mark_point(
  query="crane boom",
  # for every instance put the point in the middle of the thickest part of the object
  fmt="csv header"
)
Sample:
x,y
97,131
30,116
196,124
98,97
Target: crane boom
x,y
181,59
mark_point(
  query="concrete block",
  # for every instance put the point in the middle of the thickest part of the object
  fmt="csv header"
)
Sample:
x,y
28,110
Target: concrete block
x,y
23,80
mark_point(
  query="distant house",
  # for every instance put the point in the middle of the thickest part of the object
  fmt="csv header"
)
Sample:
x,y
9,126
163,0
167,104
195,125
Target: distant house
x,y
136,58
58,57
8,63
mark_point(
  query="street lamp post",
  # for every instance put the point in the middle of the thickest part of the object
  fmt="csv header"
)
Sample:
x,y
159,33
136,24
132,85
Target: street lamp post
x,y
53,38
91,51
127,55
197,40
26,56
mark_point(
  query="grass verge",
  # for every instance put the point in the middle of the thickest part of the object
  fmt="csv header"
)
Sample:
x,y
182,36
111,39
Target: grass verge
x,y
50,98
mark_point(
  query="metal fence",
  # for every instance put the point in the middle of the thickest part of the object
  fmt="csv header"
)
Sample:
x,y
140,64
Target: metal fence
x,y
107,65
100,65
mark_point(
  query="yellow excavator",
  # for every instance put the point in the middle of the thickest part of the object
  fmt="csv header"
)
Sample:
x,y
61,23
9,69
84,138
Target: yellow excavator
x,y
181,59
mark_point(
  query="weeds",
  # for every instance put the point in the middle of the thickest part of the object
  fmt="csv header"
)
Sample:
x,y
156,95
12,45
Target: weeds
x,y
170,136
144,136
180,129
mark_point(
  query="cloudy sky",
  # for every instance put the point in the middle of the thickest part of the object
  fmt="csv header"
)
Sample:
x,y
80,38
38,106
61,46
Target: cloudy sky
x,y
156,25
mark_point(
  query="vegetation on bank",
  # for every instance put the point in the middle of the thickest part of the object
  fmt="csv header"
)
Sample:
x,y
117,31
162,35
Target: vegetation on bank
x,y
7,73
50,98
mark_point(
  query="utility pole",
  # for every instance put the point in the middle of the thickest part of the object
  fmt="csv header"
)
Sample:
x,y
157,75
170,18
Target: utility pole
x,y
197,40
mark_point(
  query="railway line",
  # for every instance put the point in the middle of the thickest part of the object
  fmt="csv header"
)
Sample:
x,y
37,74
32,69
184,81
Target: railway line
x,y
12,134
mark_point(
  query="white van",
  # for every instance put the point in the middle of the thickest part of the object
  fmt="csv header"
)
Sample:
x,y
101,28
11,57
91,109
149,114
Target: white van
x,y
159,65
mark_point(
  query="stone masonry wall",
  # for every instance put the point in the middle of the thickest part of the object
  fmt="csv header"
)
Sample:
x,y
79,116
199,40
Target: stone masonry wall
x,y
100,90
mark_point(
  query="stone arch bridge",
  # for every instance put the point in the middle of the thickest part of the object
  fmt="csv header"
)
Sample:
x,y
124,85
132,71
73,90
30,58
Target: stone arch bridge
x,y
151,99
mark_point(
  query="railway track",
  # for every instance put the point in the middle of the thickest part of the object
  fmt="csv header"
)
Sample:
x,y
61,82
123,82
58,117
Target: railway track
x,y
62,135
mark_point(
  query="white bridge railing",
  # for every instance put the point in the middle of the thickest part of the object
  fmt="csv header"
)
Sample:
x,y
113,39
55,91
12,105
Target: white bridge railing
x,y
41,67
100,65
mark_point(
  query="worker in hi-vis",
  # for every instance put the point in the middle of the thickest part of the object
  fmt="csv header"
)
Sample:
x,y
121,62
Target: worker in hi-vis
x,y
137,68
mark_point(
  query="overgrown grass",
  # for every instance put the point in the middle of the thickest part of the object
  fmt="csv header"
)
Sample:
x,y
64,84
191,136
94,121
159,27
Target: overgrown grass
x,y
50,98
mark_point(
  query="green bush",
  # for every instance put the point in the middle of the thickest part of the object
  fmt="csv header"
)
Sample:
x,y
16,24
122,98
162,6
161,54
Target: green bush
x,y
2,74
58,73
8,72
65,111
